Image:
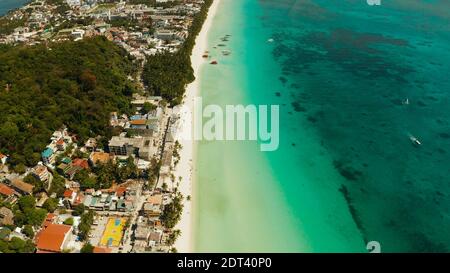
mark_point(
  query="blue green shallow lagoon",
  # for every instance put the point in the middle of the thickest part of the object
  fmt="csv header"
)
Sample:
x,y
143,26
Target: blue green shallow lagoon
x,y
346,172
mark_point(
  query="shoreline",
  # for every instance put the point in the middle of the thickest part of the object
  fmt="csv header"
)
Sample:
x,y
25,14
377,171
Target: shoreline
x,y
185,168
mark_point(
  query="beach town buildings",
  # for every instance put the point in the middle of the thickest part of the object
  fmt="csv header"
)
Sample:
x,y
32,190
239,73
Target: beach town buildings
x,y
153,30
60,140
54,238
41,172
8,193
124,146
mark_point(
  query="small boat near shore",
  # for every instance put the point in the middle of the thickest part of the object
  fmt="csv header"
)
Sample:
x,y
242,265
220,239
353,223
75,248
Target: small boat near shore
x,y
205,56
214,63
226,52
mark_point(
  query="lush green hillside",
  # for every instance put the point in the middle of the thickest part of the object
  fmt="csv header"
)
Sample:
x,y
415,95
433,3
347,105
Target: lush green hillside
x,y
73,83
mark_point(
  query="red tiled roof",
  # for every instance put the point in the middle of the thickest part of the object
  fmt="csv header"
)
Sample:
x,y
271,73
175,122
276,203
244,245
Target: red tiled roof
x,y
138,122
83,163
60,142
120,191
48,220
101,250
5,190
44,252
68,193
52,238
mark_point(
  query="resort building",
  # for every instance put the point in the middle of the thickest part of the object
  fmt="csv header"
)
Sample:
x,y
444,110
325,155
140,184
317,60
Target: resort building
x,y
124,146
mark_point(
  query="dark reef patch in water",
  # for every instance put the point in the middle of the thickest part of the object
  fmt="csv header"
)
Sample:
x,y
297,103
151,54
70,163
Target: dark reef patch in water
x,y
444,135
353,212
297,107
353,78
347,171
283,80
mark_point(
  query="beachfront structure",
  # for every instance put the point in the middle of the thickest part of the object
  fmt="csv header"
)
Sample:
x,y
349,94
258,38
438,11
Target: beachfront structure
x,y
124,146
139,101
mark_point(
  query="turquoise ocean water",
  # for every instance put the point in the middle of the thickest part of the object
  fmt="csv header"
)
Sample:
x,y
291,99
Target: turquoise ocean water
x,y
346,171
7,5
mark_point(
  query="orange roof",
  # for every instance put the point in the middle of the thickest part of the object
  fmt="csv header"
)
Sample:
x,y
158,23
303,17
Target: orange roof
x,y
120,191
100,157
79,199
60,142
2,155
68,193
101,250
138,122
44,252
48,220
5,190
81,163
52,238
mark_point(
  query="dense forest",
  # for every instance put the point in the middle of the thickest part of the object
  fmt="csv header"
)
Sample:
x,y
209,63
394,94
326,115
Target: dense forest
x,y
167,74
43,87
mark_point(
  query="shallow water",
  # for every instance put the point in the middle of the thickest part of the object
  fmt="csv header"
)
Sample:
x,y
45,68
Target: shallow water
x,y
346,171
7,5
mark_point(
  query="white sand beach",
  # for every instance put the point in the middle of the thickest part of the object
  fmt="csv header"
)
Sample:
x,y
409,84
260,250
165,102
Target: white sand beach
x,y
185,167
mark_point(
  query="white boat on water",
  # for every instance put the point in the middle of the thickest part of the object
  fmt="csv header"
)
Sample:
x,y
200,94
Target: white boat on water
x,y
405,102
414,140
270,40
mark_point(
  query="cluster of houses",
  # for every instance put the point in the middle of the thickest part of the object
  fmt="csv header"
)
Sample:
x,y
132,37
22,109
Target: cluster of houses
x,y
149,233
155,29
125,199
145,135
